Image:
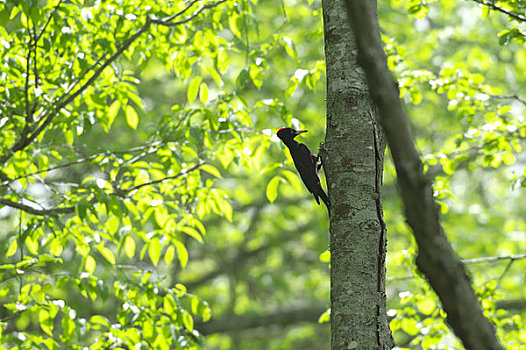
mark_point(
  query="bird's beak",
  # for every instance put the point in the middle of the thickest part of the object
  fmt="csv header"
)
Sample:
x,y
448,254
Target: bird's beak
x,y
297,132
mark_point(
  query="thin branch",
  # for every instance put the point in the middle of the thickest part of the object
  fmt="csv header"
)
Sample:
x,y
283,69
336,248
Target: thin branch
x,y
66,210
166,23
500,9
48,21
42,212
284,317
29,117
81,77
172,17
86,159
120,191
487,259
509,97
493,258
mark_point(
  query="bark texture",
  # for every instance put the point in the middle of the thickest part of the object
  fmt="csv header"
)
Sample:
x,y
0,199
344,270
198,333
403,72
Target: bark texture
x,y
353,162
436,258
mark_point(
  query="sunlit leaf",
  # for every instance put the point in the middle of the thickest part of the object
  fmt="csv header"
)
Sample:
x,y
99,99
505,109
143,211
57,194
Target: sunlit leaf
x,y
46,322
129,246
192,232
182,253
211,170
131,117
107,254
272,189
90,264
112,112
154,250
193,88
12,248
169,254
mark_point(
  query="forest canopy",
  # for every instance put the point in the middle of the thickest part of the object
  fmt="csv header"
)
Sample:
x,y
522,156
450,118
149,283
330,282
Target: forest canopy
x,y
146,203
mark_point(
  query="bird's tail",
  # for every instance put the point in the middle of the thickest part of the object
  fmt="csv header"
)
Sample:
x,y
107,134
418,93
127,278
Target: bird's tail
x,y
325,200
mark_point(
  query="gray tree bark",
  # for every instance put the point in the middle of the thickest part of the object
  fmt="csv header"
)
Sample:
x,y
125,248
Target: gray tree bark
x,y
353,156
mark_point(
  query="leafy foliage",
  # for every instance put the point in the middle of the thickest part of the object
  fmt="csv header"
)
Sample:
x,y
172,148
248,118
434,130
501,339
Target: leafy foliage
x,y
142,191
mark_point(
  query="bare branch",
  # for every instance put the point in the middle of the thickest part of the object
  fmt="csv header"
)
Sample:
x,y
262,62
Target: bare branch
x,y
493,258
492,6
29,117
120,191
172,17
510,97
42,212
47,23
308,313
87,159
487,259
167,23
66,210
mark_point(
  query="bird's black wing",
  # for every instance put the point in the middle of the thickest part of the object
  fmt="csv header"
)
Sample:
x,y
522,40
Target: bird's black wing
x,y
304,163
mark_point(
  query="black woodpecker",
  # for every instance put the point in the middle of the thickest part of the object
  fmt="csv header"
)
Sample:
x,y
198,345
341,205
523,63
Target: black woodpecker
x,y
306,162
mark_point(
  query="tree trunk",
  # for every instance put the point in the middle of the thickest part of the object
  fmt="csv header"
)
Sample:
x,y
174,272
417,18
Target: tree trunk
x,y
353,162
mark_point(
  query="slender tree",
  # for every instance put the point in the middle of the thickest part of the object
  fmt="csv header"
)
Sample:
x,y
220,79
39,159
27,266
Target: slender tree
x,y
353,158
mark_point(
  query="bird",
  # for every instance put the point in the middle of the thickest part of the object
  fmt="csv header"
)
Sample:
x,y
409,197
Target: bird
x,y
306,163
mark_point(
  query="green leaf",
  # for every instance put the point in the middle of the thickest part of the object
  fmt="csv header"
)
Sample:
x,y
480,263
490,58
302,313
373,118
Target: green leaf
x,y
508,158
272,189
325,256
188,321
182,253
192,232
46,321
243,78
90,264
203,93
169,254
293,179
100,320
426,306
409,325
154,250
325,317
290,48
107,254
225,157
68,134
193,88
161,216
221,61
68,329
211,170
112,224
129,246
112,113
234,22
12,248
291,87
226,209
131,117
4,16
256,74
